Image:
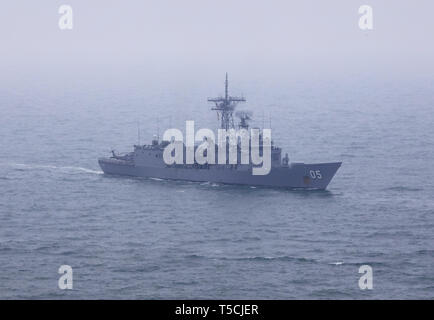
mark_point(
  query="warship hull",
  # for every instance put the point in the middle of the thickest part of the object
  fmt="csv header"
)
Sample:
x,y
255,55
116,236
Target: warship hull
x,y
147,160
295,175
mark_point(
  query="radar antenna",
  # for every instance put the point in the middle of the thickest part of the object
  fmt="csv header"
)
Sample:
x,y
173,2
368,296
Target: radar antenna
x,y
244,116
225,107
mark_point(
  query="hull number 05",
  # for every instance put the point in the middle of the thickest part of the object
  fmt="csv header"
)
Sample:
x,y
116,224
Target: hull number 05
x,y
315,174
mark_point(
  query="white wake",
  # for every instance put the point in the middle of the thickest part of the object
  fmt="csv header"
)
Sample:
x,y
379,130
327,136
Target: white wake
x,y
41,166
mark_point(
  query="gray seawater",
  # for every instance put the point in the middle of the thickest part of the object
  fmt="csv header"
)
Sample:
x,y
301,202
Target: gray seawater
x,y
133,238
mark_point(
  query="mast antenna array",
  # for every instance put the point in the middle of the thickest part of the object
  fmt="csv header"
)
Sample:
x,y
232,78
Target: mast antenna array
x,y
225,107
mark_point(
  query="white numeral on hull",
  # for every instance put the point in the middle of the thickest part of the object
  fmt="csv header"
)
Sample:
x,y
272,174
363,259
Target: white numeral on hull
x,y
315,174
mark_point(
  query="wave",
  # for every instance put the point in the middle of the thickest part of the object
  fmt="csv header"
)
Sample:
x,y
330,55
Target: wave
x,y
402,188
156,179
53,167
253,258
348,155
209,183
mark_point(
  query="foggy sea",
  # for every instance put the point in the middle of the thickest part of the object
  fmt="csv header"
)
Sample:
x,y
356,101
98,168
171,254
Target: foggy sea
x,y
136,238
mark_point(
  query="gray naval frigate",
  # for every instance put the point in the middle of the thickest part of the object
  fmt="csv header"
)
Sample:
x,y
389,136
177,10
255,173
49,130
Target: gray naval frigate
x,y
147,160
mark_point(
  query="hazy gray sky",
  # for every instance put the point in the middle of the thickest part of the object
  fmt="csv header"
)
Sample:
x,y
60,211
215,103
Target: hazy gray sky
x,y
246,35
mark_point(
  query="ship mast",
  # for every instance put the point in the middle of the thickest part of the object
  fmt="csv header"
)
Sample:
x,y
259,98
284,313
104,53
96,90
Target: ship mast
x,y
225,107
